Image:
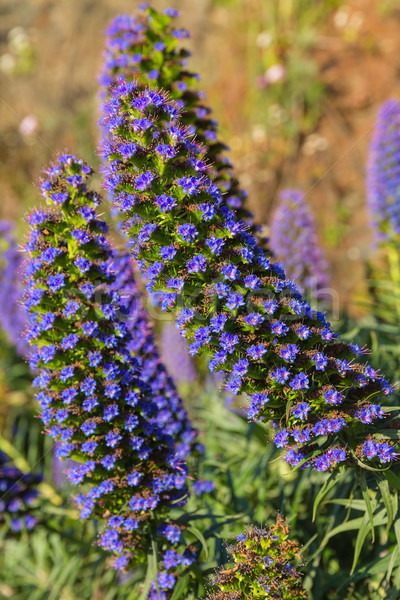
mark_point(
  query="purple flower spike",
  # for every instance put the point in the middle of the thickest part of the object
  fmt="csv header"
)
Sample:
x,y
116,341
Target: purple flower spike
x,y
383,172
104,396
238,304
132,54
294,240
12,318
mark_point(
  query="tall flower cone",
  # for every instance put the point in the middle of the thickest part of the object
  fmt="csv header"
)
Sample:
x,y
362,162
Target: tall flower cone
x,y
93,400
145,47
232,300
294,242
12,317
383,172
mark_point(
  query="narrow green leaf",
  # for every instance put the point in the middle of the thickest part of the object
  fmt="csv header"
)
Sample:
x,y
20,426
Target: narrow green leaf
x,y
393,480
396,584
394,555
17,458
383,485
151,574
349,503
328,485
365,492
354,524
199,515
198,535
362,534
180,587
372,568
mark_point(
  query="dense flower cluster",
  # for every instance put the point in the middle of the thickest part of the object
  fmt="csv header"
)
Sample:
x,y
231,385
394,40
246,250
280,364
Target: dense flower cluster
x,y
175,355
233,301
12,318
383,171
18,493
294,241
372,448
92,399
171,415
263,567
145,47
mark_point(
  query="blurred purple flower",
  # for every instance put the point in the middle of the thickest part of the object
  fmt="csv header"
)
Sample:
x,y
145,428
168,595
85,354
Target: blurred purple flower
x,y
294,240
175,355
383,171
153,369
18,492
12,317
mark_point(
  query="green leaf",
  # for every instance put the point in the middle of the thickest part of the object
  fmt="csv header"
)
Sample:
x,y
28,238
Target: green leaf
x,y
395,554
353,524
181,587
392,563
365,492
396,585
334,478
384,489
393,480
365,527
17,458
349,503
151,575
198,535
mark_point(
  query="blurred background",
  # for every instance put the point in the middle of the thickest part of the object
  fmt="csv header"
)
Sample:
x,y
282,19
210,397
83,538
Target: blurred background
x,y
295,85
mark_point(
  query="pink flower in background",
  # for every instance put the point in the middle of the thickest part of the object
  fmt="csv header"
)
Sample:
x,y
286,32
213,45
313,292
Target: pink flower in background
x,y
274,74
28,125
